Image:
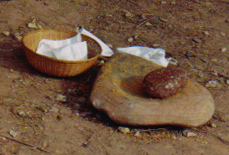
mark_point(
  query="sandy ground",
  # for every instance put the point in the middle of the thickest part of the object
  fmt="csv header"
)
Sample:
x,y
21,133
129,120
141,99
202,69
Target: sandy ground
x,y
34,121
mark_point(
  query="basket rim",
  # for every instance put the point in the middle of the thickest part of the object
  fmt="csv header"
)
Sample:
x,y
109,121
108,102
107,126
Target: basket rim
x,y
58,60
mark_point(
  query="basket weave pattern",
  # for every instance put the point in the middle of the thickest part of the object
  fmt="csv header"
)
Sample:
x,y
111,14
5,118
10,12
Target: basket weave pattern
x,y
51,66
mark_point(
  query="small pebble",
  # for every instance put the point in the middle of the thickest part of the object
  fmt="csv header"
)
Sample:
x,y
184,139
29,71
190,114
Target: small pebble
x,y
82,99
164,20
137,134
128,14
61,98
212,125
21,113
148,24
130,39
187,133
206,33
173,2
227,81
124,130
223,34
54,109
19,38
13,133
6,33
163,2
197,40
110,45
45,143
224,49
213,84
11,70
156,45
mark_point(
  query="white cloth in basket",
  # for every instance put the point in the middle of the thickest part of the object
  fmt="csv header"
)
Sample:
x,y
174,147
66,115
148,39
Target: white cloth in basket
x,y
72,49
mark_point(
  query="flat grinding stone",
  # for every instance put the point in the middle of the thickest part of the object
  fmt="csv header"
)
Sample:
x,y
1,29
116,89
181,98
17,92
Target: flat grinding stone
x,y
117,91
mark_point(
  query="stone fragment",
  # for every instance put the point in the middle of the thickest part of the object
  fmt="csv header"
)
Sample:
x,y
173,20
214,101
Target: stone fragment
x,y
13,133
119,94
6,33
164,82
124,130
224,49
164,19
163,2
137,134
131,39
61,98
148,24
128,14
213,84
187,133
54,109
227,81
197,40
206,33
156,45
223,34
213,125
82,99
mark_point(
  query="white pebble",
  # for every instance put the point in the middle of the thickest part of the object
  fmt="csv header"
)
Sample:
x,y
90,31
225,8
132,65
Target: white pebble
x,y
213,125
148,24
124,130
223,34
61,98
206,33
13,133
130,39
224,49
227,81
137,134
187,133
6,33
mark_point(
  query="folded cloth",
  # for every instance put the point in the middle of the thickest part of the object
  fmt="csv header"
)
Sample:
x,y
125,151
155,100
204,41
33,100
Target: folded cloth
x,y
156,55
72,49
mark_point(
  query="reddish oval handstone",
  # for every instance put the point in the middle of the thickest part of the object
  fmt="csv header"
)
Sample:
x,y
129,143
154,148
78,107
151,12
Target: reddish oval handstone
x,y
164,82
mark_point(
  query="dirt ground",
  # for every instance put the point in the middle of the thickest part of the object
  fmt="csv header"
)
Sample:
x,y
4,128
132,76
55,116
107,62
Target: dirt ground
x,y
41,114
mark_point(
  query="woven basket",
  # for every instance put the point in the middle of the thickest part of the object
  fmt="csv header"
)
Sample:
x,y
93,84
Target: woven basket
x,y
55,67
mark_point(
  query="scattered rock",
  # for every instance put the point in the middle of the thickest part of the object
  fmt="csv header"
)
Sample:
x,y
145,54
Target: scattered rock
x,y
21,113
163,2
110,45
224,49
197,40
206,33
45,143
137,134
148,24
128,14
18,37
13,133
119,94
54,109
188,133
156,45
213,84
33,24
124,130
11,70
61,98
213,125
164,20
6,33
173,2
82,99
223,34
227,81
131,39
